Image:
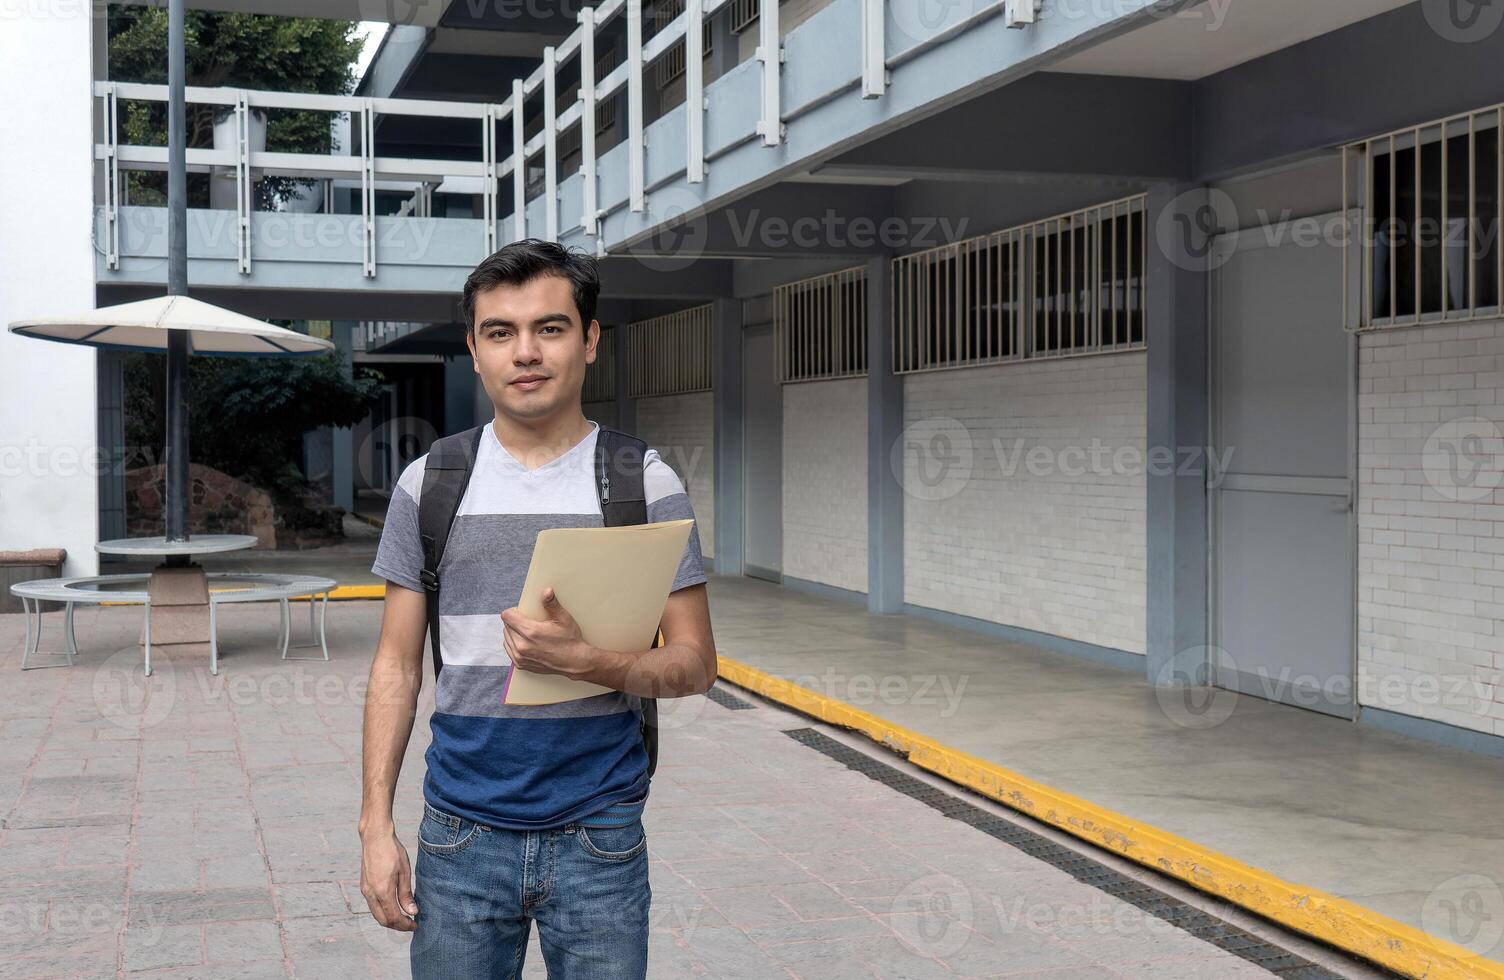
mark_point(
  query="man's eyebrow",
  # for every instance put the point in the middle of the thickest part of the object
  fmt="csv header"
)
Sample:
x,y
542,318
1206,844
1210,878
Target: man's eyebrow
x,y
547,318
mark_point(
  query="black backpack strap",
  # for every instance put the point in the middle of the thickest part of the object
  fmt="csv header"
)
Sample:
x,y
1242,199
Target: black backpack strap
x,y
446,474
619,460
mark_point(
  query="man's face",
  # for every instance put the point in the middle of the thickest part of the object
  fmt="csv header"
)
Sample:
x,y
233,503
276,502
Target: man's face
x,y
529,347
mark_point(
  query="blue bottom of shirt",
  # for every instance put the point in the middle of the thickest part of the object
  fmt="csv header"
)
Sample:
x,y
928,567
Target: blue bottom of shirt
x,y
534,773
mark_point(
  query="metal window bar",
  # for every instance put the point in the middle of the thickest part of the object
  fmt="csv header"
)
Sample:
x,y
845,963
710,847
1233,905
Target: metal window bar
x,y
819,327
1062,286
600,377
1455,181
670,354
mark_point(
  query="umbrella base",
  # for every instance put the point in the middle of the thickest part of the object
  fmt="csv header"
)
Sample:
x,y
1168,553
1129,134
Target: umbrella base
x,y
179,609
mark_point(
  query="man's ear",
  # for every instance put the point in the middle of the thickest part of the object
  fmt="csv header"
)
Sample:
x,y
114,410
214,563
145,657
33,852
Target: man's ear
x,y
470,345
592,340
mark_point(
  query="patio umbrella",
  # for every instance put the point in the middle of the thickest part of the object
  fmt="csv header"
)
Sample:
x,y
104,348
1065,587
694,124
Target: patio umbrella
x,y
174,323
148,325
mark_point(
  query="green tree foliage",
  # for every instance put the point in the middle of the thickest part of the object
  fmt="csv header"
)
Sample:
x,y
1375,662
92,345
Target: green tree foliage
x,y
253,51
247,416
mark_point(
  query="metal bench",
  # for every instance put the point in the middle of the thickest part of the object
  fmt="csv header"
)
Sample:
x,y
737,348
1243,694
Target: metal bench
x,y
131,590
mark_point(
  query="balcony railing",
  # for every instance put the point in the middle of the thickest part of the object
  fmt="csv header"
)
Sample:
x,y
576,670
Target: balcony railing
x,y
418,178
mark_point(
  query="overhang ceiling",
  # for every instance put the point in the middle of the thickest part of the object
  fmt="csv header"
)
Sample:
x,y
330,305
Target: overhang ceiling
x,y
1219,34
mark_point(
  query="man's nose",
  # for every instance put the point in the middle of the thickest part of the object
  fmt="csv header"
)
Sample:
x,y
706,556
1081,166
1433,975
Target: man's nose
x,y
525,351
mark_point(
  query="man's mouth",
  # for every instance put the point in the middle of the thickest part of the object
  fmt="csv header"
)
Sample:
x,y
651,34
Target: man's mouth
x,y
528,382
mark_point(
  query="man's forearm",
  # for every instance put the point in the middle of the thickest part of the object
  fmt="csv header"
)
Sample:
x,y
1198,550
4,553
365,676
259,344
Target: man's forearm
x,y
391,705
672,671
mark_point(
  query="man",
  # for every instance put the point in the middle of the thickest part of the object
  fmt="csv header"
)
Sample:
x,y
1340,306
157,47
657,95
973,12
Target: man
x,y
531,812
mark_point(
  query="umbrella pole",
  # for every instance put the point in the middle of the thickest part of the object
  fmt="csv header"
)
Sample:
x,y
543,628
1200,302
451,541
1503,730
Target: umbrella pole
x,y
176,509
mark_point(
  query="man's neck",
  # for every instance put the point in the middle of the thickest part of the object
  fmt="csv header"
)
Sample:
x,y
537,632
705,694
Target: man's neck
x,y
538,441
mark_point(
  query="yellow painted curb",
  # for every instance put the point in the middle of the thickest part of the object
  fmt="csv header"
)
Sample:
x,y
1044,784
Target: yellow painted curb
x,y
1330,919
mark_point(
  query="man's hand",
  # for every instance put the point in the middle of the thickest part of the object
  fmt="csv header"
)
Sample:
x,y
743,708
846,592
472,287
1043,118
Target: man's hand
x,y
386,880
548,646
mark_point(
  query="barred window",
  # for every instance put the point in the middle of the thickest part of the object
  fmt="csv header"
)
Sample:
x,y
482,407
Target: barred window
x,y
670,354
600,377
1429,244
1071,284
820,326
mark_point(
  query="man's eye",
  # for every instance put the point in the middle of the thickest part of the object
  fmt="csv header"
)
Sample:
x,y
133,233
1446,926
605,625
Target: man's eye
x,y
554,329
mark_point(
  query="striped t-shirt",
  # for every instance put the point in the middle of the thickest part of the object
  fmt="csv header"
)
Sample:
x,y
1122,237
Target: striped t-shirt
x,y
520,766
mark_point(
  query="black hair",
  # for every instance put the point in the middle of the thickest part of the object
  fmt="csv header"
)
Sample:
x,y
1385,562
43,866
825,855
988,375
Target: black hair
x,y
526,260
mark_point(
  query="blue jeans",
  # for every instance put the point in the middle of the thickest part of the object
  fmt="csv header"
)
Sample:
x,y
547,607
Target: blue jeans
x,y
479,889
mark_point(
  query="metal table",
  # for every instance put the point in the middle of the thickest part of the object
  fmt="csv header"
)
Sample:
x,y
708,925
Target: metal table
x,y
131,590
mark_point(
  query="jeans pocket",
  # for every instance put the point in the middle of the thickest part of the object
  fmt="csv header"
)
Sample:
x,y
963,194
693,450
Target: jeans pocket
x,y
445,833
613,843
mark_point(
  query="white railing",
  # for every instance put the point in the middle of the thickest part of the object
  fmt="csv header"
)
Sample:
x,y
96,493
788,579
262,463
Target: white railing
x,y
369,169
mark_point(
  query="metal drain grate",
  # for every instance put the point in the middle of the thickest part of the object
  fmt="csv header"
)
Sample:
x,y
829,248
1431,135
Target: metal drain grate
x,y
1204,926
727,700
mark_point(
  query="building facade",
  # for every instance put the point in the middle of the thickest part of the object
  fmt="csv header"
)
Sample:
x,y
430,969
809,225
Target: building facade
x,y
1166,335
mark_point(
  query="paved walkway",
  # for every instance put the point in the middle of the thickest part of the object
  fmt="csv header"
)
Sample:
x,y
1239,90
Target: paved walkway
x,y
1400,826
187,825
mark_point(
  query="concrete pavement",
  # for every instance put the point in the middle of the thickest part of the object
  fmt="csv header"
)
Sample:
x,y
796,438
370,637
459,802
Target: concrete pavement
x,y
187,825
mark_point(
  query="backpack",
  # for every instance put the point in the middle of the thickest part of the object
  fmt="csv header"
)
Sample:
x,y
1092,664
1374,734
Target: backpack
x,y
618,464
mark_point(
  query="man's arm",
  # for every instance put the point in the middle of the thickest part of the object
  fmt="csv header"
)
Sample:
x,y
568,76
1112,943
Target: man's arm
x,y
391,704
685,665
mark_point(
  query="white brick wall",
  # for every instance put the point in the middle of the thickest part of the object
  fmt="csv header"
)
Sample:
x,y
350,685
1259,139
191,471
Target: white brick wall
x,y
1430,526
825,482
1057,545
682,429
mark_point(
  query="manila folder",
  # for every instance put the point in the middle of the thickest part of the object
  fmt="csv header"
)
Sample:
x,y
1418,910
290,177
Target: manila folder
x,y
614,581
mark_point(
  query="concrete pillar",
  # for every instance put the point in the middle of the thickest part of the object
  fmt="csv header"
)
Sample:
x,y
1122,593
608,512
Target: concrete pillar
x,y
460,382
49,476
1176,334
726,384
626,405
342,448
884,429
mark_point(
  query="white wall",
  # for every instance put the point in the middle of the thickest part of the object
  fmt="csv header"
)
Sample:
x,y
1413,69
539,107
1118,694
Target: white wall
x,y
1053,541
49,491
1431,524
825,482
682,429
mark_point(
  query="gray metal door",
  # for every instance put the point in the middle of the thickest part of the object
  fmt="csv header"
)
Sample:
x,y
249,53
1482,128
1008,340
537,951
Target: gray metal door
x,y
762,466
1282,534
